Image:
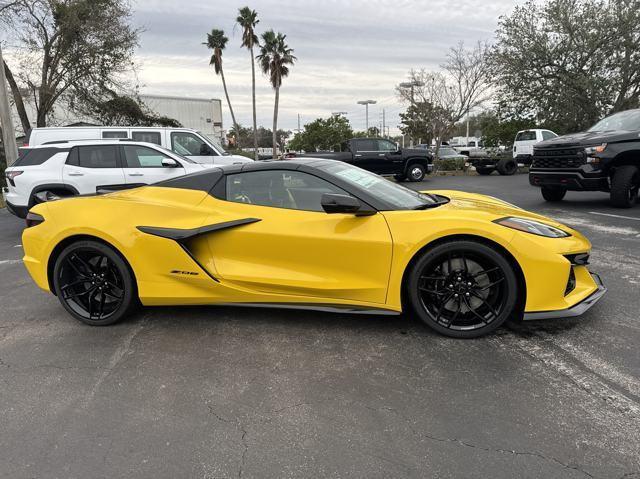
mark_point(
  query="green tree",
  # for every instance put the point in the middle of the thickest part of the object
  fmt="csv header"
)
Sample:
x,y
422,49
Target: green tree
x,y
322,134
248,20
78,49
567,63
217,41
275,59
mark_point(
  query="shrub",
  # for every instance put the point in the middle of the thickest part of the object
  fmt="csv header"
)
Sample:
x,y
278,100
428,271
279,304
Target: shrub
x,y
449,164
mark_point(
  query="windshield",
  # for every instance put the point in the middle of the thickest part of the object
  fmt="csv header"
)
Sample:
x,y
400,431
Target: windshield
x,y
625,120
399,197
216,142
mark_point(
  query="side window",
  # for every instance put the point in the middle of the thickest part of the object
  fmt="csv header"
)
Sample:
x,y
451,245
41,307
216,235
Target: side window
x,y
386,145
142,157
547,135
36,156
147,136
188,144
73,158
110,134
366,145
98,156
279,189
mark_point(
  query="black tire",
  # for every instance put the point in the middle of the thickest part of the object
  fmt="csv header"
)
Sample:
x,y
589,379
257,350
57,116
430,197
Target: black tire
x,y
553,194
93,283
400,177
624,186
507,167
484,171
458,272
416,172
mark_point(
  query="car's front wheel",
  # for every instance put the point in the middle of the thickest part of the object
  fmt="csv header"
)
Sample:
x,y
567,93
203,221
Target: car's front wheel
x,y
553,194
463,289
624,186
93,283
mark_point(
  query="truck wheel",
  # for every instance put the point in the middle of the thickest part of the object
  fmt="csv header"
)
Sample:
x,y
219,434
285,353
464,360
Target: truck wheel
x,y
484,171
624,186
553,194
416,172
507,167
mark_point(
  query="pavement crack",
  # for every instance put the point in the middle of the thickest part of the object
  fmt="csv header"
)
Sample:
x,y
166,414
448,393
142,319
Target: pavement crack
x,y
244,452
243,436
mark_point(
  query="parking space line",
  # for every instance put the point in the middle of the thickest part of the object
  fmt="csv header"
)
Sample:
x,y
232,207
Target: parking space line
x,y
615,216
10,261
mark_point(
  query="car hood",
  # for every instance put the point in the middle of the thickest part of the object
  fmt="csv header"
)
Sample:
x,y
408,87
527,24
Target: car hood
x,y
491,207
585,138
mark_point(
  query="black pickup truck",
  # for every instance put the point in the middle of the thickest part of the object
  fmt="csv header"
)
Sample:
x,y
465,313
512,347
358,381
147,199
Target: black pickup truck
x,y
604,158
380,156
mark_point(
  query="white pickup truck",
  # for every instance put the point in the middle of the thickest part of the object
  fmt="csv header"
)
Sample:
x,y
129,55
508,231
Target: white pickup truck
x,y
525,139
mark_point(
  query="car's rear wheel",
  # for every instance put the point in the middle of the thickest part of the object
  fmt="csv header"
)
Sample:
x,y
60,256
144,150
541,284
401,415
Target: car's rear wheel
x,y
507,167
553,194
416,172
463,289
624,186
484,171
93,283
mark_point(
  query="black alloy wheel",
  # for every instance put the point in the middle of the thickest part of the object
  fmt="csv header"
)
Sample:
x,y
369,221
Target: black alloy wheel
x,y
463,289
93,283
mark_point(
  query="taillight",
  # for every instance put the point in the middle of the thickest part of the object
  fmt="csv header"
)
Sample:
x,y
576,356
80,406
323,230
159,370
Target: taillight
x,y
33,219
10,175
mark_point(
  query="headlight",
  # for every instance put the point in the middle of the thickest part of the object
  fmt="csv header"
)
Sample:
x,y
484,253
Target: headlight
x,y
532,226
593,151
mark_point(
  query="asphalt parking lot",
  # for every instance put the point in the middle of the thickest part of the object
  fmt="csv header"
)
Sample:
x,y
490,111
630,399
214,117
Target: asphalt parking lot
x,y
232,392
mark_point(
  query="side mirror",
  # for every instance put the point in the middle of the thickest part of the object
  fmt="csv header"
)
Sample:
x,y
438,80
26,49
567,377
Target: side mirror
x,y
333,203
169,163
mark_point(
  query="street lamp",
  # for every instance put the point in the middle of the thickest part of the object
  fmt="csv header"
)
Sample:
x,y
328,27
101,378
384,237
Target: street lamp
x,y
366,104
411,84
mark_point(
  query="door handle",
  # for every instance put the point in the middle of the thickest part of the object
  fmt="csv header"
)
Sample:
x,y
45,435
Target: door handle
x,y
382,154
76,173
357,155
136,174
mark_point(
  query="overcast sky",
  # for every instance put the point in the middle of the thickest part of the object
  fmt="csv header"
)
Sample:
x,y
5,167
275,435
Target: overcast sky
x,y
348,50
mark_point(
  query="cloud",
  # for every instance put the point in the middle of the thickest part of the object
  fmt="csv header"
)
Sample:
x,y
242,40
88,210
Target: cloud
x,y
348,50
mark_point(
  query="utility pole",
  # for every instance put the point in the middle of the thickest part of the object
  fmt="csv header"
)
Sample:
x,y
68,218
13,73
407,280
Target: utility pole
x,y
384,130
366,104
411,85
8,133
298,122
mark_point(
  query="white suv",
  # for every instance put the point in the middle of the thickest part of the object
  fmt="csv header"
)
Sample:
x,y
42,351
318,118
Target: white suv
x,y
70,168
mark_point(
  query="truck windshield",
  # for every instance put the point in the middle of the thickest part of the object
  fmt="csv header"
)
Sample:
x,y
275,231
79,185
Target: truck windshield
x,y
216,142
397,196
625,120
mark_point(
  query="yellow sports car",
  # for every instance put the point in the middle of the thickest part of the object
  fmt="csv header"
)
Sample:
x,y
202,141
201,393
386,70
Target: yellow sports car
x,y
308,233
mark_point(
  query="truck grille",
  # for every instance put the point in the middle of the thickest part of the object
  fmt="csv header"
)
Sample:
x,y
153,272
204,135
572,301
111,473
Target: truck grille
x,y
558,158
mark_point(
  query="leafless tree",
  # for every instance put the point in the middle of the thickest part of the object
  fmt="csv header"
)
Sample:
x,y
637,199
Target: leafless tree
x,y
443,98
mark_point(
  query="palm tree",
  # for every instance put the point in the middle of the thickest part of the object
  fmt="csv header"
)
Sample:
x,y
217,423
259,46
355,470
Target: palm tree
x,y
217,41
248,19
275,58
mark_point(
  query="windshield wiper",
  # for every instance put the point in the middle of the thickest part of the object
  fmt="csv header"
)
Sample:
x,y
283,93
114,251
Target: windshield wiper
x,y
427,206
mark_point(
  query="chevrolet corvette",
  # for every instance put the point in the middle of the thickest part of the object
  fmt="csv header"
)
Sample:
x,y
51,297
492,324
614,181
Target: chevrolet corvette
x,y
308,233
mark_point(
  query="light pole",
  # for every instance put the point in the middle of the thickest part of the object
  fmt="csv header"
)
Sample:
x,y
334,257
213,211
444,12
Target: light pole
x,y
366,104
411,84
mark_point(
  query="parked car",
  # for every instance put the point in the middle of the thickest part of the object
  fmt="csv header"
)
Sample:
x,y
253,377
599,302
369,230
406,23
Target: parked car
x,y
524,142
186,142
606,158
311,233
381,156
466,146
70,168
448,153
